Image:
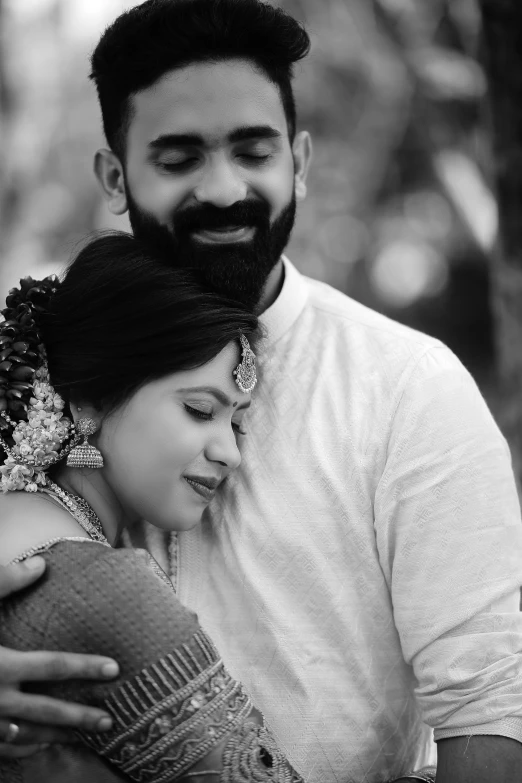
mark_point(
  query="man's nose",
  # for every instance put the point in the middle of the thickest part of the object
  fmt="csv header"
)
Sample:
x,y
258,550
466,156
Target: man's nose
x,y
221,185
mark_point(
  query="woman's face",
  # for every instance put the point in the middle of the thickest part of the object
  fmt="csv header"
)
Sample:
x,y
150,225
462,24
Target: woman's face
x,y
168,448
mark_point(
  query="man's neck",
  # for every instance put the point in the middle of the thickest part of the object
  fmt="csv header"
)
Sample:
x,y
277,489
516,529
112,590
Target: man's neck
x,y
273,286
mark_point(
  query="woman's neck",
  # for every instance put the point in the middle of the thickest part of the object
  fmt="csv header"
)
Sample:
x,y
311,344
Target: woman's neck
x,y
91,485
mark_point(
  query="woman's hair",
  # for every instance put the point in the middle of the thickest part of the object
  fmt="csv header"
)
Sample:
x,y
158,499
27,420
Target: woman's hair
x,y
121,318
159,36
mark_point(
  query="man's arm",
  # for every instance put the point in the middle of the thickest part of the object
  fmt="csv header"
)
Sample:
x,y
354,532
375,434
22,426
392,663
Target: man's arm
x,y
39,717
479,759
450,542
474,759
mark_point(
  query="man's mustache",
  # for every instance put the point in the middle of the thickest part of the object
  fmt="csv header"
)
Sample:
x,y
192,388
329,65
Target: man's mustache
x,y
208,217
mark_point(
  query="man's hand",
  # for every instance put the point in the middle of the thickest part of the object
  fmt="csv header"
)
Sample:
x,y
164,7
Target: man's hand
x,y
479,759
41,719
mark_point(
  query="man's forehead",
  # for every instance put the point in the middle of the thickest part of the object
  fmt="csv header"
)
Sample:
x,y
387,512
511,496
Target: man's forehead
x,y
212,99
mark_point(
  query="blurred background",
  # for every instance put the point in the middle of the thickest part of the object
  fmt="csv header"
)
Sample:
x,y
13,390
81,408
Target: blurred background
x,y
400,214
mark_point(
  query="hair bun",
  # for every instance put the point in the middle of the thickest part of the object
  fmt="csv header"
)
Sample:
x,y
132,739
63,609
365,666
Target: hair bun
x,y
21,349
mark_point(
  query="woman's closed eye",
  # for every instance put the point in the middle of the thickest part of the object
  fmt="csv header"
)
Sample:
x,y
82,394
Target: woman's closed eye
x,y
198,414
209,416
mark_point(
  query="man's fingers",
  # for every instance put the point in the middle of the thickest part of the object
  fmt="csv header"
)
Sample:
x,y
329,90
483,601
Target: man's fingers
x,y
52,666
20,575
17,706
34,735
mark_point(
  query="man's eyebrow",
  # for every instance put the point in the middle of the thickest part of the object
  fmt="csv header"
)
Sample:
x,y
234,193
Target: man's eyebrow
x,y
218,394
244,133
249,132
169,140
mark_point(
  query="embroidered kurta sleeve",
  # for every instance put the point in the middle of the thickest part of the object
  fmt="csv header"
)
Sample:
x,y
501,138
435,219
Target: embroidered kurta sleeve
x,y
450,542
175,708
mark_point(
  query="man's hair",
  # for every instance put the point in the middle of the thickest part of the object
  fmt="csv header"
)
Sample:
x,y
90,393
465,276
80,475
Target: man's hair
x,y
159,36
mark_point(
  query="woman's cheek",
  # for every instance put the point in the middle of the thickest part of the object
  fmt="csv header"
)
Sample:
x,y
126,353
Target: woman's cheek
x,y
187,442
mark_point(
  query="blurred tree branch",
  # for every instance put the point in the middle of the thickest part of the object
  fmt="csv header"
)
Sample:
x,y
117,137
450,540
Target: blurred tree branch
x,y
502,51
5,115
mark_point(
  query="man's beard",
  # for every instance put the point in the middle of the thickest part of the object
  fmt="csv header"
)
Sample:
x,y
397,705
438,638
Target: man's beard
x,y
238,270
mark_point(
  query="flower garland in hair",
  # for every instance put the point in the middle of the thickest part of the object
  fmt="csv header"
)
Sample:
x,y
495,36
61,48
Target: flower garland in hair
x,y
29,406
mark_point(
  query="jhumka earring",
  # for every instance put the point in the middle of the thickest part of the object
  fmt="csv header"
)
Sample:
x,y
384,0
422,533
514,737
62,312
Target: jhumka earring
x,y
85,455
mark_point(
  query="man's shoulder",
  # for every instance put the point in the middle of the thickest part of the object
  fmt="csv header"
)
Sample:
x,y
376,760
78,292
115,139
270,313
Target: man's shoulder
x,y
329,307
365,343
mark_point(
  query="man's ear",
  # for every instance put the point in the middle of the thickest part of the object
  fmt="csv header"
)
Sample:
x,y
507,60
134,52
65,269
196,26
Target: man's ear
x,y
109,173
302,152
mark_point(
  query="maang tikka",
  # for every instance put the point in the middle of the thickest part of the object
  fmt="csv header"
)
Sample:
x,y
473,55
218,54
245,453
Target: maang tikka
x,y
85,455
245,374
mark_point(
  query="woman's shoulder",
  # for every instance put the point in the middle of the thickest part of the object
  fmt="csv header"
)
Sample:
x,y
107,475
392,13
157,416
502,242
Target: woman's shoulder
x,y
28,520
110,602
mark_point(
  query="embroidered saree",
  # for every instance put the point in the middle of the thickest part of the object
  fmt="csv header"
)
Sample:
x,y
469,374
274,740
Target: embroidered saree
x,y
177,714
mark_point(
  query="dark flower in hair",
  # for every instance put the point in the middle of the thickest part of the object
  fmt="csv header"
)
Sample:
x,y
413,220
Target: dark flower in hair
x,y
21,350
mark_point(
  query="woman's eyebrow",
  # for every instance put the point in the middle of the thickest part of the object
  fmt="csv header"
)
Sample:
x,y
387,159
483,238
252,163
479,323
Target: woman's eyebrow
x,y
218,394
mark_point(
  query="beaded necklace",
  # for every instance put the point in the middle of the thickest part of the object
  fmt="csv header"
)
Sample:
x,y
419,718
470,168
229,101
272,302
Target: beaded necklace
x,y
81,511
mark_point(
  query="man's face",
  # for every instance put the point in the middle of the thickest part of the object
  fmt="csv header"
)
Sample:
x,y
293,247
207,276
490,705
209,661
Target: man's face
x,y
209,173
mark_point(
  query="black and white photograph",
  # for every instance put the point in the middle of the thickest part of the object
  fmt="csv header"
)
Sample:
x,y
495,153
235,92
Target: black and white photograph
x,y
260,391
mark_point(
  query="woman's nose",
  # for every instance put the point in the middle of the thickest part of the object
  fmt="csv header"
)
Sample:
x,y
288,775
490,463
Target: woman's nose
x,y
224,449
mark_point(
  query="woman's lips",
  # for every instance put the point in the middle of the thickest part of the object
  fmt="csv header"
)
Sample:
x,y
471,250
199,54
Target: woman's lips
x,y
206,491
225,235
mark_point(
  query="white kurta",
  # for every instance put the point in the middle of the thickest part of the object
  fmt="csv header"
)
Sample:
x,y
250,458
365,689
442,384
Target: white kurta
x,y
360,573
